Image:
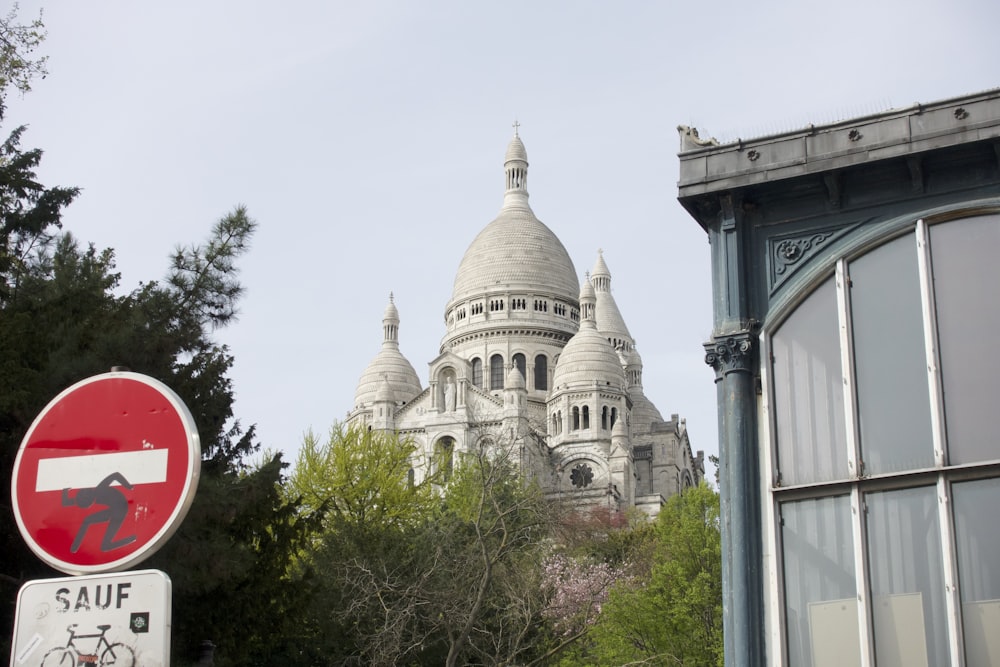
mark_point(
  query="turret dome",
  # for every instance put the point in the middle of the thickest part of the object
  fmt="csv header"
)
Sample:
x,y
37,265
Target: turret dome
x,y
588,359
514,379
390,374
609,319
516,151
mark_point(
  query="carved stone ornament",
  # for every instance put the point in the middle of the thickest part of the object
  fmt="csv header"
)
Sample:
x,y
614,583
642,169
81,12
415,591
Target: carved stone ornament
x,y
727,354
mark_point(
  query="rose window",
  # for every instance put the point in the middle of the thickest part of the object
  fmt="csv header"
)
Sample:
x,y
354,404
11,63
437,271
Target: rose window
x,y
581,476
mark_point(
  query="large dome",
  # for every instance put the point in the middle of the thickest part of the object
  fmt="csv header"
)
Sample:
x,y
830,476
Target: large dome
x,y
516,251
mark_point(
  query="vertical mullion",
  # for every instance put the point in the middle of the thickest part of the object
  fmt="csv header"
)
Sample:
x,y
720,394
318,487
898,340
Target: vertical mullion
x,y
854,460
858,525
774,587
956,640
940,439
938,435
854,463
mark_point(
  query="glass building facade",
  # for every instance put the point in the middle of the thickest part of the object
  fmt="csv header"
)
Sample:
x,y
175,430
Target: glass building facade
x,y
883,449
856,309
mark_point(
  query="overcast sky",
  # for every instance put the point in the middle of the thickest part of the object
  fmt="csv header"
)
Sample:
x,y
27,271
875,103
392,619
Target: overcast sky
x,y
367,140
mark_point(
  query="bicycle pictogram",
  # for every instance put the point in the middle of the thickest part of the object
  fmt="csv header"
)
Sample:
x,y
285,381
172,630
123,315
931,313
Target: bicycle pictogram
x,y
105,653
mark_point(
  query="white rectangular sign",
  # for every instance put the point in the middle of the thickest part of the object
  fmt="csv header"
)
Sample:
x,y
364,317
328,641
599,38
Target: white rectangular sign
x,y
120,619
147,466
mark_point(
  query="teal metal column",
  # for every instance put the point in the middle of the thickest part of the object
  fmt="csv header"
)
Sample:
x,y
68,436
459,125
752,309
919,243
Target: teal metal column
x,y
733,357
732,352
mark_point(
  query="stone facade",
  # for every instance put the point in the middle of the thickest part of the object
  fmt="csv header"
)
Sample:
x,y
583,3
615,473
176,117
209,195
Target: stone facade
x,y
534,362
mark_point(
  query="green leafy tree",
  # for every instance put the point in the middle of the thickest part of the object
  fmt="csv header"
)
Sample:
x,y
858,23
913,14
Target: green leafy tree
x,y
674,615
230,562
444,571
18,42
367,552
361,478
490,600
62,319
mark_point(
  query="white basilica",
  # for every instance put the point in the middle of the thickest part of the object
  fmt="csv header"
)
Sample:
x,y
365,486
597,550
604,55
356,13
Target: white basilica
x,y
533,362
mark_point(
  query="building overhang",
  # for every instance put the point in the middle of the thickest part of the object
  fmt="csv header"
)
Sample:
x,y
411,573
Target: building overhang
x,y
815,158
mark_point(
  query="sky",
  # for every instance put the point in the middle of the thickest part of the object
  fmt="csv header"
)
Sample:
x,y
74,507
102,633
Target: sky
x,y
367,140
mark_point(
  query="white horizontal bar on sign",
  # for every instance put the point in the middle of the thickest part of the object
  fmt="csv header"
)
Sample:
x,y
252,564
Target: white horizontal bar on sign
x,y
148,466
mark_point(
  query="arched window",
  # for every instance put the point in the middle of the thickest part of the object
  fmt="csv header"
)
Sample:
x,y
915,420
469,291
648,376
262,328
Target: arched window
x,y
496,372
614,416
541,372
576,418
444,458
586,416
520,362
604,418
477,372
928,293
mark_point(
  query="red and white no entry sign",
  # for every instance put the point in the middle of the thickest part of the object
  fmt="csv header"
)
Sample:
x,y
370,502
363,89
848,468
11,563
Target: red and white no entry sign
x,y
106,473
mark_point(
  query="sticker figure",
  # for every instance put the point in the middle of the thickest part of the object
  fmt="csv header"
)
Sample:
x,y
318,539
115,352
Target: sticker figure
x,y
117,509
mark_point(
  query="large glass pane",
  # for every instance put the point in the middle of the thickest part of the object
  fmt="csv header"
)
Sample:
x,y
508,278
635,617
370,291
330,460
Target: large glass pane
x,y
809,392
978,542
890,360
821,610
967,291
906,577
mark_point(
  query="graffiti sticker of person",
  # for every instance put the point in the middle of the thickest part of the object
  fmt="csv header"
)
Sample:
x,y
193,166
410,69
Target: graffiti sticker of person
x,y
117,508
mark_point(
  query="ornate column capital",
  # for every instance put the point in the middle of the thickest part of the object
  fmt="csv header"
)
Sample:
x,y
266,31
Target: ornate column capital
x,y
732,353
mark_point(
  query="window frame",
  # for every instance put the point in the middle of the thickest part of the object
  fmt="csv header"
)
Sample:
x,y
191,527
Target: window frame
x,y
941,474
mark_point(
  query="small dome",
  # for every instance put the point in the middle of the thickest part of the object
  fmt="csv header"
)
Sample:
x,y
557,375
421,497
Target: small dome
x,y
515,151
391,312
609,319
619,430
389,376
514,379
588,357
600,269
391,369
644,413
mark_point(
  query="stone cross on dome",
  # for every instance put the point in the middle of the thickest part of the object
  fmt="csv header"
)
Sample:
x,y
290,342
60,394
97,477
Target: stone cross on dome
x,y
515,125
